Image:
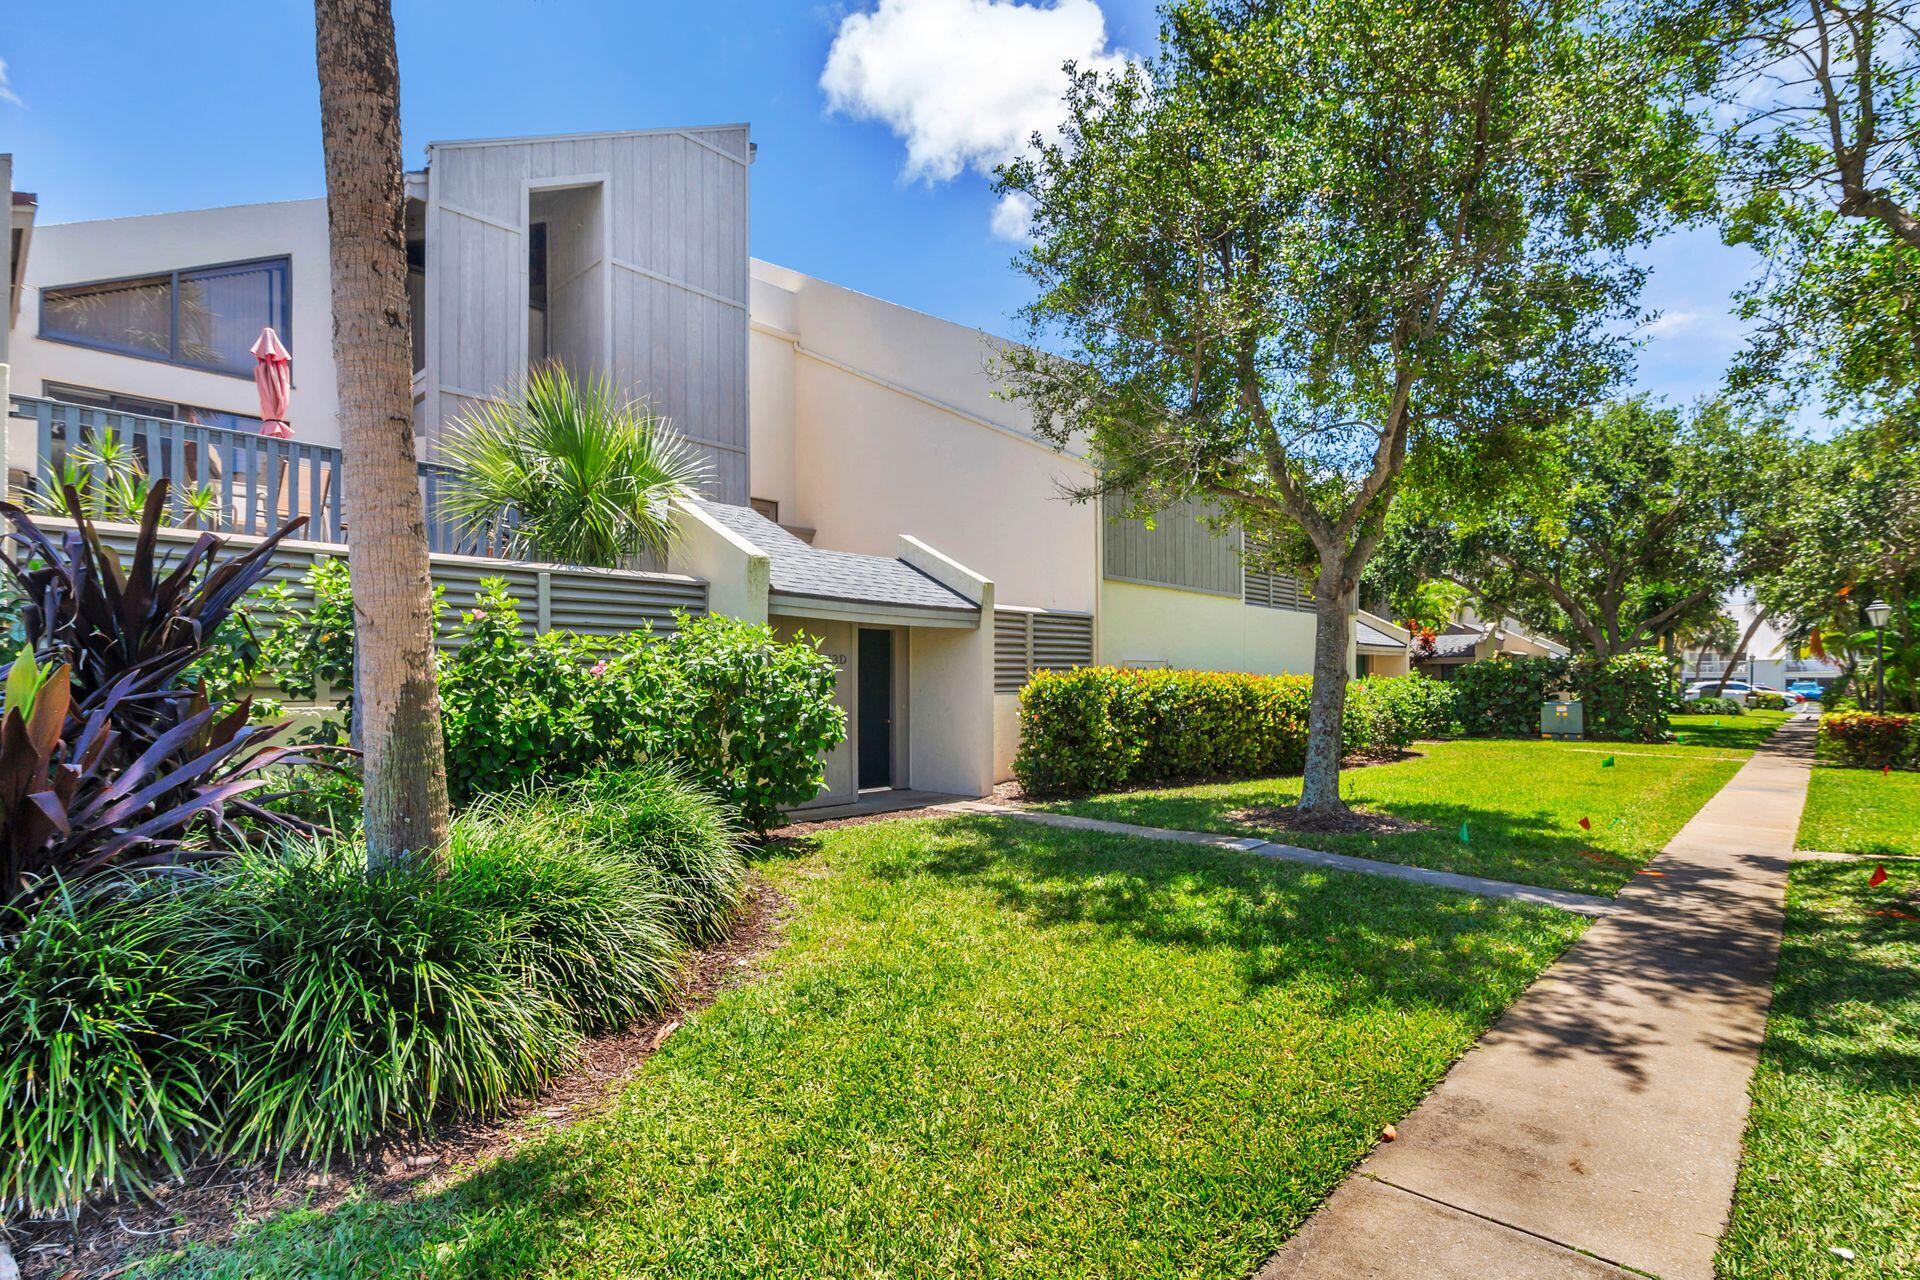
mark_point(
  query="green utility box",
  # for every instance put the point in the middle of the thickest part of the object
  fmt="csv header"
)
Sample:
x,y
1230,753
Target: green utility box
x,y
1562,719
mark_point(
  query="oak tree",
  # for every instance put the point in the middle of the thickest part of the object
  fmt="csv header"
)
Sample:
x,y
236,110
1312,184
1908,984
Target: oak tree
x,y
1314,248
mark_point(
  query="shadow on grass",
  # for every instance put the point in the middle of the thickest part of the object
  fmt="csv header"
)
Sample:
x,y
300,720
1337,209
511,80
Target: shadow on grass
x,y
1843,970
1525,848
1697,932
1340,941
1364,939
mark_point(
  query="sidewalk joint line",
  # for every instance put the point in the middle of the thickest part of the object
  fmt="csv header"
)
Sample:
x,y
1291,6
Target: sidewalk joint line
x,y
1508,1226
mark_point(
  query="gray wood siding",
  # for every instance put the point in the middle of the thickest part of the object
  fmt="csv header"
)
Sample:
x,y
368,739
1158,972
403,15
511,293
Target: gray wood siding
x,y
1179,551
674,276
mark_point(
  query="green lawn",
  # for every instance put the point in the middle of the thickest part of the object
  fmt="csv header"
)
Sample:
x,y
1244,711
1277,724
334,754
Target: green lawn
x,y
1742,732
1861,811
984,1049
1832,1154
1521,802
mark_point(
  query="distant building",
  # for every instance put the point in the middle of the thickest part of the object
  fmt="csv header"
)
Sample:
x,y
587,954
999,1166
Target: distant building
x,y
1770,661
1470,639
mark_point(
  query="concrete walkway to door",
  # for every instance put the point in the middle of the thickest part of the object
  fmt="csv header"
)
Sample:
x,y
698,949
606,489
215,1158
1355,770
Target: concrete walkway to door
x,y
1597,1126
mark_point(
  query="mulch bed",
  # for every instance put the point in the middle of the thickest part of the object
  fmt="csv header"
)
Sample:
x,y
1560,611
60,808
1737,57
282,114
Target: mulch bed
x,y
1286,817
213,1200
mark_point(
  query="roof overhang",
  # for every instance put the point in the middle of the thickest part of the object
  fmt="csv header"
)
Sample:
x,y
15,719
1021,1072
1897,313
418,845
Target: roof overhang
x,y
790,604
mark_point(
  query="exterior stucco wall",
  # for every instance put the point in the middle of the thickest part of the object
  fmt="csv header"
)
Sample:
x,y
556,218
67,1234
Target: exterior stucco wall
x,y
871,420
77,252
1160,626
1006,734
835,639
950,682
1387,665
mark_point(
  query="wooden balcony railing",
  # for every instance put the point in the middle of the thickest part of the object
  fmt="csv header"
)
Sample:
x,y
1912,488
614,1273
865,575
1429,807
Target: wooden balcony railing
x,y
236,481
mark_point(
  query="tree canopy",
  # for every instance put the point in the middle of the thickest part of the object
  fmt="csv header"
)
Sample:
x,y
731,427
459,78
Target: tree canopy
x,y
1820,174
1646,517
1318,247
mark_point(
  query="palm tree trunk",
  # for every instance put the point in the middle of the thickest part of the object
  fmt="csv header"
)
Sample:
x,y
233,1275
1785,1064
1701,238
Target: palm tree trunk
x,y
396,699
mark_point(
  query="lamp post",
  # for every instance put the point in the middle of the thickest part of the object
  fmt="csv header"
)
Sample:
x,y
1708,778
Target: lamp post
x,y
1877,613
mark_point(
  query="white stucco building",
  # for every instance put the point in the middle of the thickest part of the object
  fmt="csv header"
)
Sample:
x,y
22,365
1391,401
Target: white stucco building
x,y
868,487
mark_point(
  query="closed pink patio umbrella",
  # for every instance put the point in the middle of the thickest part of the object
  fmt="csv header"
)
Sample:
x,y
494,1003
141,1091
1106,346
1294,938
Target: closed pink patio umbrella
x,y
273,375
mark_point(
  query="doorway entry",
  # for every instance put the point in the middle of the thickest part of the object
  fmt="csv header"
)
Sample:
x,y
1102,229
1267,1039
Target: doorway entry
x,y
873,698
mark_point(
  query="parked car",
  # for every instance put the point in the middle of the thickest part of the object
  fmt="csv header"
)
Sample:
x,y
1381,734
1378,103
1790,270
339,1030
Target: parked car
x,y
1809,690
1738,691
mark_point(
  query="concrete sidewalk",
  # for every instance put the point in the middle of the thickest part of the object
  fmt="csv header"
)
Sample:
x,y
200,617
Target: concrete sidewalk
x,y
1597,1126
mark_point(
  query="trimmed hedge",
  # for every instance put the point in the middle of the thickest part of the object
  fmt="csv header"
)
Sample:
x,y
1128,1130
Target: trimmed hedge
x,y
1105,728
1864,740
1627,698
298,1004
1712,707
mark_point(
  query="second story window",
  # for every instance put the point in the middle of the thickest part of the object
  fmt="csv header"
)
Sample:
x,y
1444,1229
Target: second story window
x,y
201,317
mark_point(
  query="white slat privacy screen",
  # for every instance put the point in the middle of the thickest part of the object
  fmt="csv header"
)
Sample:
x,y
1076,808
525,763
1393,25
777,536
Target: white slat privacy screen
x,y
1030,640
598,602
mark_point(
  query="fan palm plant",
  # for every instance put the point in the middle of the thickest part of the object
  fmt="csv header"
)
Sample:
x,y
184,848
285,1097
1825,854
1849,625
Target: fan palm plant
x,y
570,471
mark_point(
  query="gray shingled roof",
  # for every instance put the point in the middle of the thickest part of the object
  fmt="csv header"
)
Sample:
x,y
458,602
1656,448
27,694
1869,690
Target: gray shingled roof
x,y
1458,641
800,570
1365,632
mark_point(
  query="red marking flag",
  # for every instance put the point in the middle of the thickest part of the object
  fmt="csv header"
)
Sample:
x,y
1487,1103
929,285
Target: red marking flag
x,y
1878,878
1586,824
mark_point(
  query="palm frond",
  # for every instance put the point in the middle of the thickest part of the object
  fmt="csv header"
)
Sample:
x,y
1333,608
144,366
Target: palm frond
x,y
582,474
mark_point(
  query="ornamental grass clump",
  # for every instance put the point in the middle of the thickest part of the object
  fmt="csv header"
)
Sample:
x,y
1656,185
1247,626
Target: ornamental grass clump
x,y
366,1000
674,830
593,927
115,1047
290,1002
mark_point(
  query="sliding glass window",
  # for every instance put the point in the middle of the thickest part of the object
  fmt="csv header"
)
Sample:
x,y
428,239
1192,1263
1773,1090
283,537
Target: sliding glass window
x,y
200,317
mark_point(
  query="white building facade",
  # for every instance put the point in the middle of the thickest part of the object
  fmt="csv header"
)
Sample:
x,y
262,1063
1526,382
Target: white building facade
x,y
869,487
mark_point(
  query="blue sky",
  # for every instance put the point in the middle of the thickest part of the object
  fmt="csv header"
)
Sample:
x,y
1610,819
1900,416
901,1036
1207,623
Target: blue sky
x,y
873,179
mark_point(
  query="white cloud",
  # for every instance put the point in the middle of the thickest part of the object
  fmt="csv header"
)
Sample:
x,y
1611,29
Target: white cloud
x,y
964,83
1698,323
1012,216
6,89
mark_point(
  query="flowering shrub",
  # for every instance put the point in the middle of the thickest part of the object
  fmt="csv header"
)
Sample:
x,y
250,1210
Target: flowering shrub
x,y
1863,740
1403,709
1104,728
738,712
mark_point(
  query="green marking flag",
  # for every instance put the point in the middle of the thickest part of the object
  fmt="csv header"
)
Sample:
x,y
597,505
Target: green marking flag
x,y
1607,763
1465,836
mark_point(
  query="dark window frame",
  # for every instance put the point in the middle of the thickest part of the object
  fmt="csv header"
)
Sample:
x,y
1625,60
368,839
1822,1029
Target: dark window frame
x,y
284,261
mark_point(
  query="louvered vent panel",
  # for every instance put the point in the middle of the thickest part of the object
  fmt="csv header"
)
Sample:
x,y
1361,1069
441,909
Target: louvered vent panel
x,y
1027,640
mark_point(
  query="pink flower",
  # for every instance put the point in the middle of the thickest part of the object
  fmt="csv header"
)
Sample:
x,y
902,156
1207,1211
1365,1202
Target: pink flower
x,y
597,669
477,615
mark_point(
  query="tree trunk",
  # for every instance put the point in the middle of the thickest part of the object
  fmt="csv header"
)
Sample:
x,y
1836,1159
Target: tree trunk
x,y
396,700
1739,652
1327,707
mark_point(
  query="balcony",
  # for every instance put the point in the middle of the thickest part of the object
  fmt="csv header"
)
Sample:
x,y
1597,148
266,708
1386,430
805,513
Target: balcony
x,y
220,479
246,486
